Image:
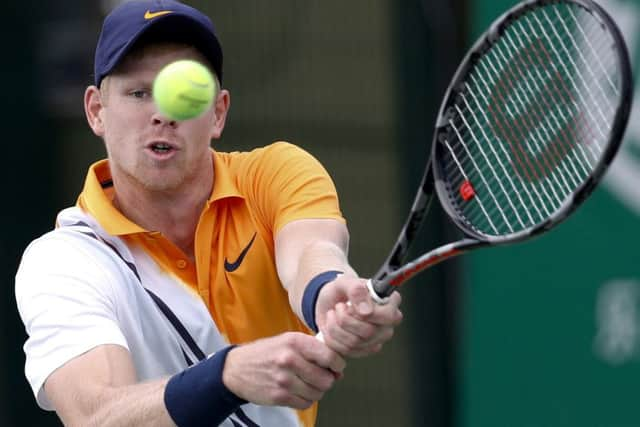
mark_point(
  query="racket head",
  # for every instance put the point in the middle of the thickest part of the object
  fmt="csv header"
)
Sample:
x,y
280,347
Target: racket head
x,y
521,139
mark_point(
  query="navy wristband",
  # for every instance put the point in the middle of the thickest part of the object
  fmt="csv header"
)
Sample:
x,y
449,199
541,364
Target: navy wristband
x,y
197,396
310,296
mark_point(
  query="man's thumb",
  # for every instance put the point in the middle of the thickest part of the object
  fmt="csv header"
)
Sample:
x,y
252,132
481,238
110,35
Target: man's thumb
x,y
360,300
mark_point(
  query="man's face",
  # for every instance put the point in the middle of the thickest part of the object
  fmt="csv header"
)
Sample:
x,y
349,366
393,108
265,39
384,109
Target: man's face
x,y
146,149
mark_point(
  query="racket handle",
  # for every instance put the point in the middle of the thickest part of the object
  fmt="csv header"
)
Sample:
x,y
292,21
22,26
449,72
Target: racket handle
x,y
374,296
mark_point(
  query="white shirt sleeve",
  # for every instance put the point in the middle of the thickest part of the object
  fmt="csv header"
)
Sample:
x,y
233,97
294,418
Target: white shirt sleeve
x,y
67,302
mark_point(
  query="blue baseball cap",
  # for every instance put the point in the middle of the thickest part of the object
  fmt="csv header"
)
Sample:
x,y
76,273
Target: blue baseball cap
x,y
158,21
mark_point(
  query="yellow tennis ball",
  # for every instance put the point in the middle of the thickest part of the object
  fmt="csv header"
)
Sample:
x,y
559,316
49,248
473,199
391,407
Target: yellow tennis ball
x,y
184,90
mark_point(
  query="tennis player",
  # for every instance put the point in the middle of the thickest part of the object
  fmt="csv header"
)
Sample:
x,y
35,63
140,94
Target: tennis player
x,y
186,286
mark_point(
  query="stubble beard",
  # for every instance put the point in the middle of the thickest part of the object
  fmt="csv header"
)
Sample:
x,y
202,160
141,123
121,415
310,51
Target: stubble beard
x,y
152,178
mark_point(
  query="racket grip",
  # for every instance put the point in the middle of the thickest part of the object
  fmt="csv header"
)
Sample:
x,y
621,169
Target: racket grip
x,y
374,296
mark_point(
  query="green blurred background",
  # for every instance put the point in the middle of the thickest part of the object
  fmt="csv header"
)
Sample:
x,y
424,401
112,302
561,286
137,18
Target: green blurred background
x,y
541,334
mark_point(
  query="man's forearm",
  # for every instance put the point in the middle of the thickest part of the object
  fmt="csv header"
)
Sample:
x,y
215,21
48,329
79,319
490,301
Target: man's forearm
x,y
317,257
99,389
306,248
139,405
135,405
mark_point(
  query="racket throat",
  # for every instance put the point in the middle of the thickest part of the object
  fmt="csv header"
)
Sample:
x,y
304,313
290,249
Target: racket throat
x,y
428,260
393,280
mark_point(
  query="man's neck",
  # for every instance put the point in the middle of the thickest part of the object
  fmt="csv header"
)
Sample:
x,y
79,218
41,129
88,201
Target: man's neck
x,y
175,215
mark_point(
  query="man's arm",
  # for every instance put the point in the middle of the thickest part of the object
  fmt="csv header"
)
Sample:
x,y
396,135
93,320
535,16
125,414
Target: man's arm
x,y
305,248
352,324
99,388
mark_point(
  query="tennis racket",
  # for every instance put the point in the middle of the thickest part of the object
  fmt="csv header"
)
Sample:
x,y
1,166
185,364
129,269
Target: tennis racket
x,y
530,122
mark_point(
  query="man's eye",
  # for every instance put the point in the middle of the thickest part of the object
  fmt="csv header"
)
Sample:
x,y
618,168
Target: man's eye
x,y
140,93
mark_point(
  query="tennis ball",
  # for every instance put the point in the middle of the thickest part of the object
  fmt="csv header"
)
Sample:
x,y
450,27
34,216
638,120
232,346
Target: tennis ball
x,y
184,90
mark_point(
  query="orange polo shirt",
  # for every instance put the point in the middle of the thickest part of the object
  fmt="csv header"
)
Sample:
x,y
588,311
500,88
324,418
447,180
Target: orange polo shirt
x,y
254,194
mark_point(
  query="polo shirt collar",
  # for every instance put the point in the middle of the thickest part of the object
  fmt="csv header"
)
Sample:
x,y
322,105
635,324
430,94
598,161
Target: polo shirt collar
x,y
97,199
97,196
224,185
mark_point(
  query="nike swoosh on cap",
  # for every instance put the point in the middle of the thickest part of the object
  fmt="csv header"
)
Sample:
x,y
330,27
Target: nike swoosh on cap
x,y
150,15
233,266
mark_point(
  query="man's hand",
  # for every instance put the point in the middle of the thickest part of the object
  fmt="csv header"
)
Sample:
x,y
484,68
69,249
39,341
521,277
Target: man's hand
x,y
292,369
307,247
351,322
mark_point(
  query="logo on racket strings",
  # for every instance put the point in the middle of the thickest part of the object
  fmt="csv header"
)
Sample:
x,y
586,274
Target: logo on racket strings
x,y
532,111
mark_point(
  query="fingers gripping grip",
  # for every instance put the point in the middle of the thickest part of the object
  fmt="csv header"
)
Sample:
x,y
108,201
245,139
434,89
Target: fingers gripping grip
x,y
374,296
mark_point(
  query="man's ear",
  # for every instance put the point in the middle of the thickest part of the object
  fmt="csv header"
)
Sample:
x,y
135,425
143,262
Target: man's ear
x,y
221,108
93,105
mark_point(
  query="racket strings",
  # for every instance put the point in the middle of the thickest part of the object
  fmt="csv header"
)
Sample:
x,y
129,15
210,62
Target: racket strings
x,y
587,63
538,112
580,85
592,49
548,90
506,188
573,134
585,106
559,113
569,74
482,177
533,119
550,121
541,209
520,131
587,48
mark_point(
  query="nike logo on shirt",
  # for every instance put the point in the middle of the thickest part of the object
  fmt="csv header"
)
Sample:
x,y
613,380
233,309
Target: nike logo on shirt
x,y
233,266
